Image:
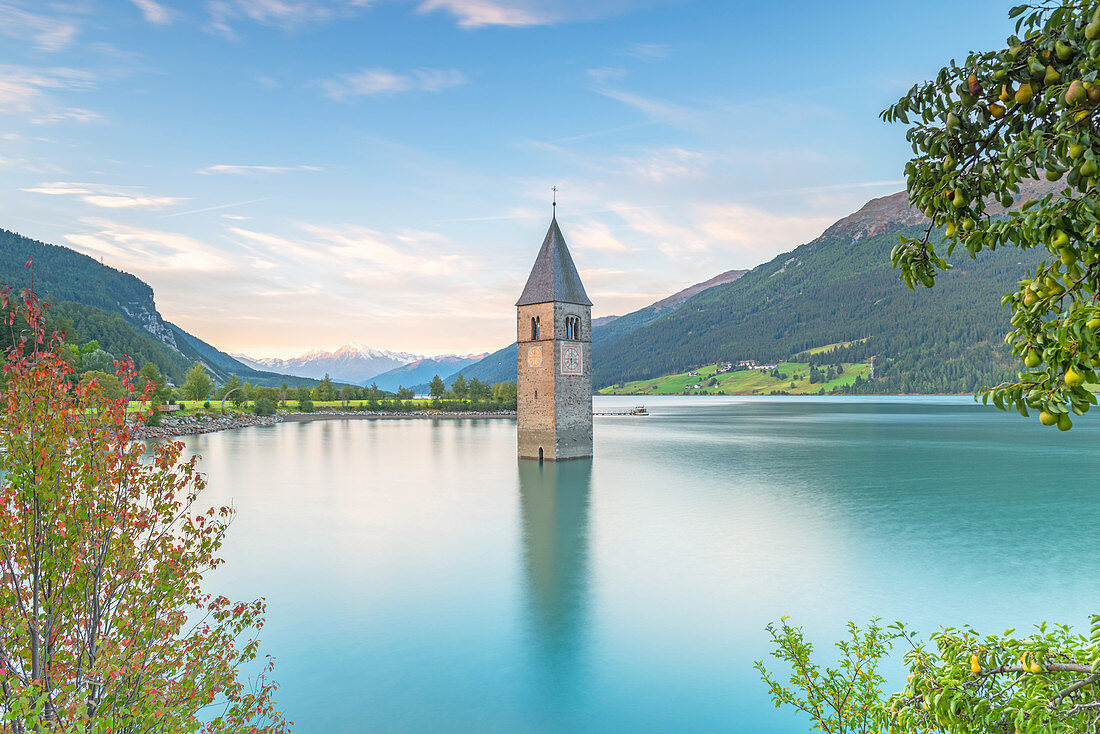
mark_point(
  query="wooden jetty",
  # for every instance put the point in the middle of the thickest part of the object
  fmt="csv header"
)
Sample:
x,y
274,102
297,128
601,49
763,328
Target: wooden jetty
x,y
637,410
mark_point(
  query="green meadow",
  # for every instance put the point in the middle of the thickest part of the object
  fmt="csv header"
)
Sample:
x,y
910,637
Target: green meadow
x,y
794,379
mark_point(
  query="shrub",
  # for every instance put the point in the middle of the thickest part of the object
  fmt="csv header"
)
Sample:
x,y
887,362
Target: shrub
x,y
305,405
264,406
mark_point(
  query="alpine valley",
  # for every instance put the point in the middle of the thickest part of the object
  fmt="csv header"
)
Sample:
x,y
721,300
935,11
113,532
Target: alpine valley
x,y
832,301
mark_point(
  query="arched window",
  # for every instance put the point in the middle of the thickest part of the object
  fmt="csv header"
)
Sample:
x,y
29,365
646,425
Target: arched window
x,y
572,327
535,328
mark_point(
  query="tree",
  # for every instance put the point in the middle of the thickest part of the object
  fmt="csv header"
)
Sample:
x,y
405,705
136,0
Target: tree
x,y
404,393
197,384
305,402
981,129
326,390
960,681
283,392
108,384
458,387
345,394
437,388
106,626
153,384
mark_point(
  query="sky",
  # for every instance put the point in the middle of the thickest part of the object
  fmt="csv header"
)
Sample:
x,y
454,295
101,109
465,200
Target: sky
x,y
298,174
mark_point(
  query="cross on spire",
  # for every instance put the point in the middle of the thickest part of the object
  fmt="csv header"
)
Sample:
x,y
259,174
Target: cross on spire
x,y
555,204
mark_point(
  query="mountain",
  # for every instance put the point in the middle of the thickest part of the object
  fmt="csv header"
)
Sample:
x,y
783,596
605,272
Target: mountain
x,y
90,300
838,288
350,363
500,366
841,288
419,373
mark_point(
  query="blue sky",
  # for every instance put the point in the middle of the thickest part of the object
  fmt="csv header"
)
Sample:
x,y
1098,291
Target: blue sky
x,y
297,174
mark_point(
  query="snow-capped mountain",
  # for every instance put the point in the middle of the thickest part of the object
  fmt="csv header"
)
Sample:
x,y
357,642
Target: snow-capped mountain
x,y
422,371
351,363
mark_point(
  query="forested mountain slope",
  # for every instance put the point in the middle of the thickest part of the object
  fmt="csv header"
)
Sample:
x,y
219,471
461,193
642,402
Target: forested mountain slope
x,y
839,288
116,309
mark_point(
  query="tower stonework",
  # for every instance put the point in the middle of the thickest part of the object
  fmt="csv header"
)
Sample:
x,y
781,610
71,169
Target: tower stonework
x,y
554,357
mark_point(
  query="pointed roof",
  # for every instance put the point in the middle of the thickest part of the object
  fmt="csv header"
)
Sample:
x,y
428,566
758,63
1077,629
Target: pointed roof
x,y
554,276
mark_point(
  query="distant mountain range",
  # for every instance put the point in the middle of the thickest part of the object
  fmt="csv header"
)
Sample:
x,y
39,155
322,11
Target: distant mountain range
x,y
361,365
418,374
351,363
837,288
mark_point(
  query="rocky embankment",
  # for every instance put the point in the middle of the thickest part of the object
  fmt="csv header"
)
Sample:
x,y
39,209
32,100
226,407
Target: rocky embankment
x,y
191,425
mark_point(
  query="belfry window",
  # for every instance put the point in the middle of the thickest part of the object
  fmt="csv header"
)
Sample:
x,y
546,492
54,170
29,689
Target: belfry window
x,y
572,327
536,328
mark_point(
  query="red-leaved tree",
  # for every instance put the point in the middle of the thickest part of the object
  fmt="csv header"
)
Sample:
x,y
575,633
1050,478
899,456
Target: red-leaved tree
x,y
104,625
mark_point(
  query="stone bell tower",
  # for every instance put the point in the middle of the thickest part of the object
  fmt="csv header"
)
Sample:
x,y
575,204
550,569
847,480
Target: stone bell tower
x,y
554,353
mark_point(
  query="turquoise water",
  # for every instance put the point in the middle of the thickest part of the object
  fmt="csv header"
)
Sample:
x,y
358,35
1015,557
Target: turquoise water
x,y
421,579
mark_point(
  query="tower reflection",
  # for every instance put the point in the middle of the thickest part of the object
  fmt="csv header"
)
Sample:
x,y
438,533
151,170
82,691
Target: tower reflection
x,y
554,515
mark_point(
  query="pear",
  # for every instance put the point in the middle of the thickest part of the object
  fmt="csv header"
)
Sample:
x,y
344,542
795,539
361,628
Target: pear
x,y
1051,76
1073,378
949,230
996,111
1094,93
1047,419
1033,358
952,121
1035,66
1092,31
1062,51
1061,239
1088,168
1064,424
1014,51
1068,256
1006,92
1076,151
1093,323
1030,296
973,85
1076,94
959,201
1024,94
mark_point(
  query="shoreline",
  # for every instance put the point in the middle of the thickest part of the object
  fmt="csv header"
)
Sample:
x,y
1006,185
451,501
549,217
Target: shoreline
x,y
193,426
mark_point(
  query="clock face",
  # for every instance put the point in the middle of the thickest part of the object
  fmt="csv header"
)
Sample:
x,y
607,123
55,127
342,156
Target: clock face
x,y
534,356
572,362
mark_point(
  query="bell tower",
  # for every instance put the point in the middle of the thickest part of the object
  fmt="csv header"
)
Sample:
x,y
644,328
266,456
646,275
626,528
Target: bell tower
x,y
554,357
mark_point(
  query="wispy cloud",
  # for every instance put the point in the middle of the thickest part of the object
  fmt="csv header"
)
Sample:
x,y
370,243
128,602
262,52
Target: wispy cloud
x,y
29,92
142,250
378,81
246,170
48,33
288,15
154,12
104,196
649,51
519,13
478,13
217,207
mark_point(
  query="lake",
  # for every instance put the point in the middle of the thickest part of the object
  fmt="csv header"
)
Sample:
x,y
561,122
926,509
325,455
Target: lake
x,y
420,578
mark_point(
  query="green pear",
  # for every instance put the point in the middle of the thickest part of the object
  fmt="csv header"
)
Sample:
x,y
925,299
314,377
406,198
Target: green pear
x,y
1063,51
1025,93
1051,76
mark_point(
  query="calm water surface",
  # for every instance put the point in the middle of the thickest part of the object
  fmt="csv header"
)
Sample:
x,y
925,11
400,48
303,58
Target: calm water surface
x,y
421,579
